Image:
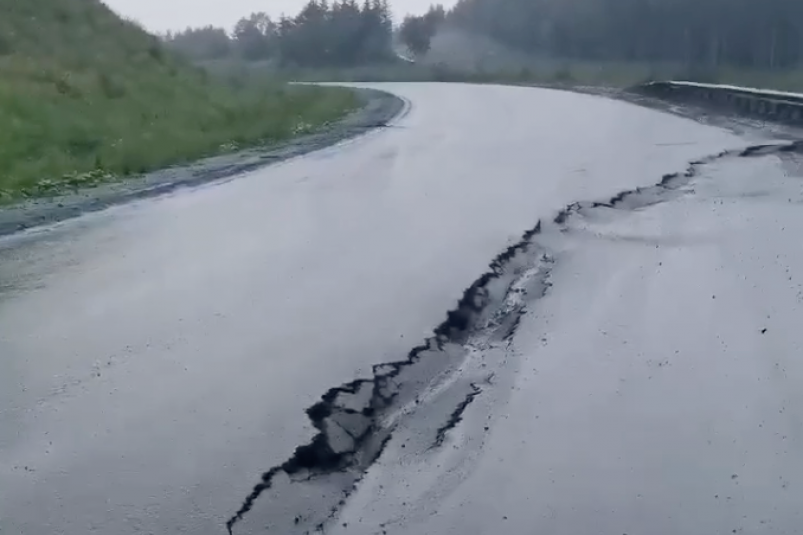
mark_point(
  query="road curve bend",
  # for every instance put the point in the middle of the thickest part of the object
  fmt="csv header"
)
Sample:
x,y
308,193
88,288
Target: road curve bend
x,y
157,358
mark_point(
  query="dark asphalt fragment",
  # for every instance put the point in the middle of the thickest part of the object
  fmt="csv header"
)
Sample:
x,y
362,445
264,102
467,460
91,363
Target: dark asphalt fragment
x,y
457,416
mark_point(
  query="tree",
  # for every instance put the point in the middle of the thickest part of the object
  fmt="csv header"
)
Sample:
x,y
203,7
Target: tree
x,y
416,32
341,34
255,37
416,35
201,43
338,35
702,34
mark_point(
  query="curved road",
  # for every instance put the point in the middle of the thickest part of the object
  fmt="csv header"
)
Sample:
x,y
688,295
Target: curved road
x,y
157,358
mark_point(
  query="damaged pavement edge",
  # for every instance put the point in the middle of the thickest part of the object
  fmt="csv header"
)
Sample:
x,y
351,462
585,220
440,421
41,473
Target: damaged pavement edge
x,y
362,419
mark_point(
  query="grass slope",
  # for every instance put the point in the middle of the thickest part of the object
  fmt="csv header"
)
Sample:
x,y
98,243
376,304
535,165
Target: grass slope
x,y
86,96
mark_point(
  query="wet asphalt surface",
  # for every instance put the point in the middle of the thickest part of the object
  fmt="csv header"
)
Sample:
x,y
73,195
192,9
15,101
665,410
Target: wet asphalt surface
x,y
158,357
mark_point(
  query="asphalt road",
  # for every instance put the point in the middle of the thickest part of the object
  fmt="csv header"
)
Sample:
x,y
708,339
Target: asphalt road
x,y
158,357
654,389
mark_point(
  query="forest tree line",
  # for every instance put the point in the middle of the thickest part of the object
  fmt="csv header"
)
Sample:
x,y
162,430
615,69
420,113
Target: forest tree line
x,y
340,34
766,34
757,34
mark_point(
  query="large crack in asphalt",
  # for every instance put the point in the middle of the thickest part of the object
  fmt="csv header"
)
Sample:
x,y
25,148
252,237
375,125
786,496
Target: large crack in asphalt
x,y
351,419
354,420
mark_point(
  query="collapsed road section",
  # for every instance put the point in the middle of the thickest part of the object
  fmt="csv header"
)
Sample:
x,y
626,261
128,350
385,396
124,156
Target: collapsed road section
x,y
357,420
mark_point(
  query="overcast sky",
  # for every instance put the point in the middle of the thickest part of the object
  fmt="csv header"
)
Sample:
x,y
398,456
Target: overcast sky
x,y
161,15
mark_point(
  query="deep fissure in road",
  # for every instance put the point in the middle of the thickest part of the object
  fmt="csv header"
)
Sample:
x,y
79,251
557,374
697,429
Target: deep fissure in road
x,y
351,418
354,421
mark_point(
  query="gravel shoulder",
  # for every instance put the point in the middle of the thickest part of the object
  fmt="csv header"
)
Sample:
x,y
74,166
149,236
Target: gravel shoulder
x,y
379,108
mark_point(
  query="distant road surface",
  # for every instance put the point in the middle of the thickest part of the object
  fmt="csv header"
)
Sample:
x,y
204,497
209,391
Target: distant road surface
x,y
156,358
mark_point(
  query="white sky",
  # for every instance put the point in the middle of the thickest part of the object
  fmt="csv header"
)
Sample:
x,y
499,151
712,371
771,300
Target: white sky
x,y
161,15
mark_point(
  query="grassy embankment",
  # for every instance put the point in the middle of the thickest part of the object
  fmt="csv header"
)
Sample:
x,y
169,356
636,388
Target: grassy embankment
x,y
86,97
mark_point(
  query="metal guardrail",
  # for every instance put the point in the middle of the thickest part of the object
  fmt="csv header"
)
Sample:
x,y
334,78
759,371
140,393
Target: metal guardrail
x,y
776,106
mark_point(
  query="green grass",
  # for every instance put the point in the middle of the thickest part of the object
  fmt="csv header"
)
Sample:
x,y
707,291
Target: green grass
x,y
86,96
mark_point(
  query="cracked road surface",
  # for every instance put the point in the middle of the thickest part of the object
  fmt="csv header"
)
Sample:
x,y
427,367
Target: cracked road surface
x,y
621,367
